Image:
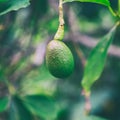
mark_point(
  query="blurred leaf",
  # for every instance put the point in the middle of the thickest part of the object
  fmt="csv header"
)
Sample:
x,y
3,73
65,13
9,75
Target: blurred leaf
x,y
96,61
3,103
38,82
3,0
103,2
51,26
42,106
12,5
18,111
1,74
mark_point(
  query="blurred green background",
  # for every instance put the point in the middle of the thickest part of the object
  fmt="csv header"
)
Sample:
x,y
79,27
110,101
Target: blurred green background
x,y
28,91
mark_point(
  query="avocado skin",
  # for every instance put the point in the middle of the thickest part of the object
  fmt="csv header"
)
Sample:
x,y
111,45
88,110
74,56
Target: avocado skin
x,y
59,59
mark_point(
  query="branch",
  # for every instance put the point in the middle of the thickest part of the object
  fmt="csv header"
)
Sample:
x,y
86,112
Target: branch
x,y
61,19
60,32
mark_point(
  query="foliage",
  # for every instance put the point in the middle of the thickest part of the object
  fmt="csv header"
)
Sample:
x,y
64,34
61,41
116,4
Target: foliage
x,y
28,91
7,6
97,60
103,2
3,103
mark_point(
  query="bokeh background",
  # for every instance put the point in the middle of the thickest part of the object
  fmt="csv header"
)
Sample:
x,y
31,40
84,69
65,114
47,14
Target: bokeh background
x,y
25,82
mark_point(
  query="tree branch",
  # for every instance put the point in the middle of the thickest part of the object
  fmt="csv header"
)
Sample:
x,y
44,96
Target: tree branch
x,y
60,32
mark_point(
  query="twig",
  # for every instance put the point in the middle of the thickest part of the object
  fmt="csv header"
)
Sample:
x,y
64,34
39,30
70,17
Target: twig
x,y
112,11
60,32
61,20
87,102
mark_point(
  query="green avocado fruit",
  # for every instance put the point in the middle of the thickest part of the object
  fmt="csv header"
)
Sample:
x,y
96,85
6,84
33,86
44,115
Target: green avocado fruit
x,y
59,59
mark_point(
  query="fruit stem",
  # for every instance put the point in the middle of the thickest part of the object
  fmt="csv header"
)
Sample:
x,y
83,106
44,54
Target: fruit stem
x,y
87,102
61,20
112,12
60,32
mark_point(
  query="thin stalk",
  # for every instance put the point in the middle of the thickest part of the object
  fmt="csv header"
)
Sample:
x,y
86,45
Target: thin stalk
x,y
112,12
61,19
60,32
88,105
117,24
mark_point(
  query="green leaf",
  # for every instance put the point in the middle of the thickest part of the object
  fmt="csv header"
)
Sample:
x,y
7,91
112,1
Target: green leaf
x,y
102,2
3,0
18,111
3,103
42,106
96,61
10,5
38,82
